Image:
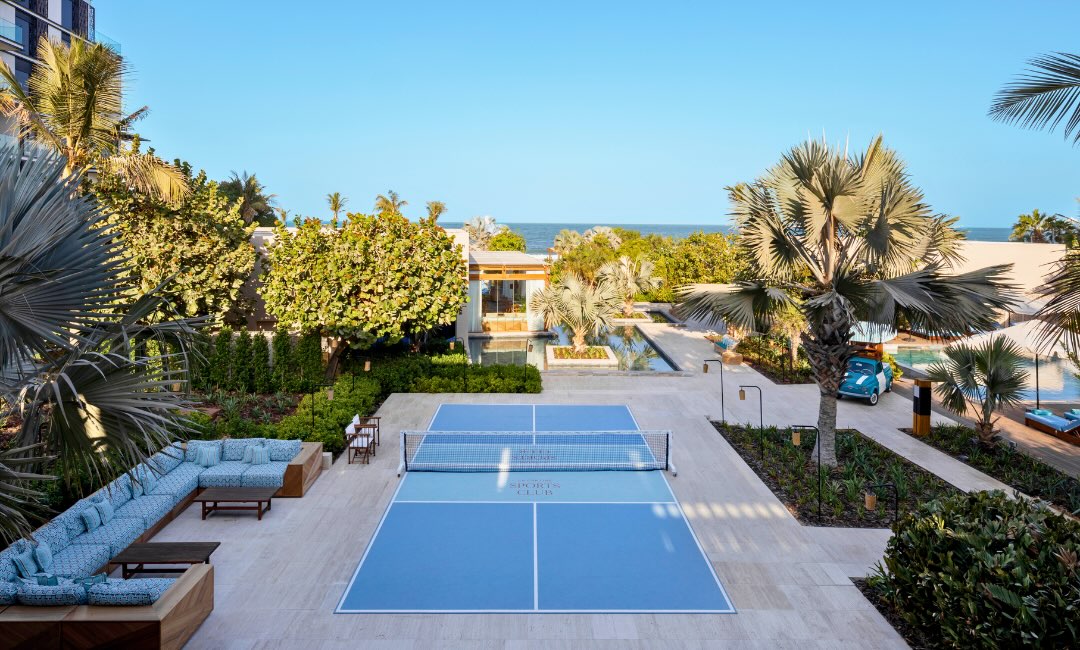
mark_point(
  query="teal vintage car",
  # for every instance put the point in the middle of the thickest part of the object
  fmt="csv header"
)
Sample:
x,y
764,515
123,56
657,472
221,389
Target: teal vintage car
x,y
866,379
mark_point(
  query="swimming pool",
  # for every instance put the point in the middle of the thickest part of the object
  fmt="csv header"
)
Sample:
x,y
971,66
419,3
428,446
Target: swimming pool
x,y
531,541
634,351
1057,377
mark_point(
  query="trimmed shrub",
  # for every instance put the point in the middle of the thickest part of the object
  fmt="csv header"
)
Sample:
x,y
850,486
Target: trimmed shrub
x,y
307,357
241,376
282,361
262,380
981,570
220,359
199,360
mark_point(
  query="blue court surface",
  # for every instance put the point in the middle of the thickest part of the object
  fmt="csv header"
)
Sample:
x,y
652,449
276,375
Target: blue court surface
x,y
534,541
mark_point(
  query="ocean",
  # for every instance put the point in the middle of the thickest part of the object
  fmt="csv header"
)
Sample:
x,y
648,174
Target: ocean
x,y
539,236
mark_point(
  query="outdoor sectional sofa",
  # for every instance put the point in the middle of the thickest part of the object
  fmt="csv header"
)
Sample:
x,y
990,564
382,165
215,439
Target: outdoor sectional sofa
x,y
143,501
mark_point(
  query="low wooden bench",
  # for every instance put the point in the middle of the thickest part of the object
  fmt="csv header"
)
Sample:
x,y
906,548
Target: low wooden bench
x,y
168,623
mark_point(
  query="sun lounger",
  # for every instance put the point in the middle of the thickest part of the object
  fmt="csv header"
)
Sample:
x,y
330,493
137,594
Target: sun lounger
x,y
1057,426
1072,414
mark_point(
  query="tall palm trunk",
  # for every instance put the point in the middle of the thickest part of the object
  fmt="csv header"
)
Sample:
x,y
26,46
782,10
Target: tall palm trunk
x,y
828,352
579,342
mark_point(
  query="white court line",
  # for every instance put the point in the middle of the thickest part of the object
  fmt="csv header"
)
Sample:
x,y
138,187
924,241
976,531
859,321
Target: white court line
x,y
370,544
604,503
536,565
436,416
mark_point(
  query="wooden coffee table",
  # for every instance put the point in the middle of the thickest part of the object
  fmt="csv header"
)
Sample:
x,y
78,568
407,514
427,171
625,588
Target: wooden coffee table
x,y
135,558
213,498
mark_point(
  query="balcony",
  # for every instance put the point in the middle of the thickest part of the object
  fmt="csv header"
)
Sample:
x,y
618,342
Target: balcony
x,y
98,37
11,36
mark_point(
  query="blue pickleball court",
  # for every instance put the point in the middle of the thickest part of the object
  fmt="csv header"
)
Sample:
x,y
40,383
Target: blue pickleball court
x,y
533,540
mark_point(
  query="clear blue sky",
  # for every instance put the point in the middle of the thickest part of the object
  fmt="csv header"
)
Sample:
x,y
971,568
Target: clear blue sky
x,y
588,111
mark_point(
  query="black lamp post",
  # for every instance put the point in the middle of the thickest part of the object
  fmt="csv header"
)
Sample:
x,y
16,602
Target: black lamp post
x,y
525,366
705,369
464,362
1037,380
329,398
817,443
761,418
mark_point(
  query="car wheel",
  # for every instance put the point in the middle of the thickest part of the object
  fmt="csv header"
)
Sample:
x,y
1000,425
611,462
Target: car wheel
x,y
873,398
839,396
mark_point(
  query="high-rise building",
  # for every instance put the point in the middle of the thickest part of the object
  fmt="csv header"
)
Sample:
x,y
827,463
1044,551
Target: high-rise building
x,y
24,22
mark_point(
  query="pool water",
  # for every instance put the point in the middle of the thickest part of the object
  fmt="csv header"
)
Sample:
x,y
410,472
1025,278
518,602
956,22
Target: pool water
x,y
1057,377
634,351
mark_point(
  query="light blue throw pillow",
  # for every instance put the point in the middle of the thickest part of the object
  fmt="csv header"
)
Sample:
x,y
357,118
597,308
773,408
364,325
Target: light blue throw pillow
x,y
136,485
248,451
25,563
128,593
283,450
208,456
65,592
44,557
105,510
91,518
1042,412
260,456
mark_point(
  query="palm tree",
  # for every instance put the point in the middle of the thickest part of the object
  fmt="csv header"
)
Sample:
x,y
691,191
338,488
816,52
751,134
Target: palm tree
x,y
389,204
791,323
846,239
630,277
255,203
1044,97
435,209
337,203
986,377
72,370
74,107
566,241
1035,228
481,230
606,234
581,307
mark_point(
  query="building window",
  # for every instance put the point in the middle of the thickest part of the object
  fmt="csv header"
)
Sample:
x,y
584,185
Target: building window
x,y
503,306
22,72
23,21
66,14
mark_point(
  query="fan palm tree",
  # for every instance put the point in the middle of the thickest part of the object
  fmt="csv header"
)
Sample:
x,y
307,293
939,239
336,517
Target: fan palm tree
x,y
481,230
844,239
630,277
982,378
74,106
603,233
1044,97
435,209
255,203
72,370
337,203
566,241
581,307
1035,228
389,204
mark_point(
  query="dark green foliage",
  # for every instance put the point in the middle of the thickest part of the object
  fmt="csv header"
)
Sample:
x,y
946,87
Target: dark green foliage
x,y
442,373
981,570
283,367
308,361
358,396
769,354
199,361
1014,468
262,378
220,359
791,473
241,371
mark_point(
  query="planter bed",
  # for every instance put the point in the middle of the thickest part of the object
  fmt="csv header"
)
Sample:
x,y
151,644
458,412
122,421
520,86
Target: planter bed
x,y
598,356
1012,467
790,472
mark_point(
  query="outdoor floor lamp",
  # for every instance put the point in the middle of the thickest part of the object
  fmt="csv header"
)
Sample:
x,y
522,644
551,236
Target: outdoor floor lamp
x,y
705,369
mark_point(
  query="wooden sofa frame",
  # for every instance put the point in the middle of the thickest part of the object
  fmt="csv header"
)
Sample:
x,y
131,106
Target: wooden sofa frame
x,y
168,623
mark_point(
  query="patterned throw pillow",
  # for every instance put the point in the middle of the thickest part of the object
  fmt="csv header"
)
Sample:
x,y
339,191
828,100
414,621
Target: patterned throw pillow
x,y
136,485
44,557
248,451
25,564
193,447
208,456
105,509
149,480
260,456
91,518
283,450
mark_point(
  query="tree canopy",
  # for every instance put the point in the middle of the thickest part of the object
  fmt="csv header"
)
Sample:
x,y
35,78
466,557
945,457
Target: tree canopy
x,y
507,240
373,277
200,248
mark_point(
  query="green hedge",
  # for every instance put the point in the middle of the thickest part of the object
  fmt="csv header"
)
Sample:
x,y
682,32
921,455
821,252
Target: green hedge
x,y
981,570
243,363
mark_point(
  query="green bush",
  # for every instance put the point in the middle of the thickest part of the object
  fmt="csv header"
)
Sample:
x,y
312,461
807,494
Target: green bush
x,y
240,370
262,379
897,371
282,361
981,570
220,358
307,357
351,397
